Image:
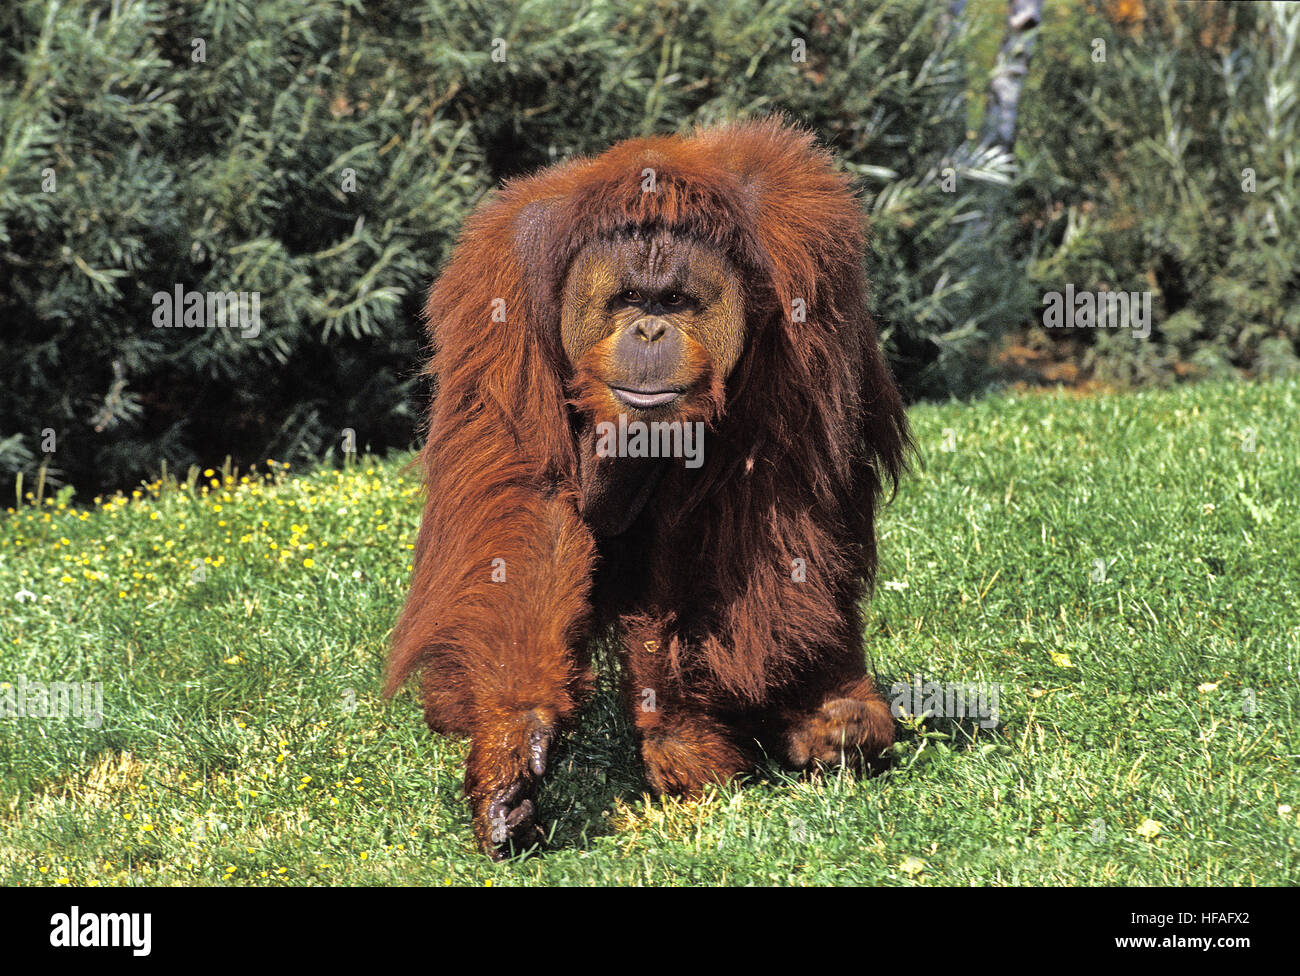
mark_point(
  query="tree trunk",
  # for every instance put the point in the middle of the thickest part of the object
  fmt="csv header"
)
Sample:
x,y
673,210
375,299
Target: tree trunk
x,y
1003,102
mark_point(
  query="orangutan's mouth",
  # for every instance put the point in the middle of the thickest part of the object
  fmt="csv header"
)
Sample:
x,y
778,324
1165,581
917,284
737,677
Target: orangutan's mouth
x,y
646,399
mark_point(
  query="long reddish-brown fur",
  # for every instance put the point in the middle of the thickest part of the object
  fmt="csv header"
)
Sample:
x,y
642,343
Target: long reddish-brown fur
x,y
738,654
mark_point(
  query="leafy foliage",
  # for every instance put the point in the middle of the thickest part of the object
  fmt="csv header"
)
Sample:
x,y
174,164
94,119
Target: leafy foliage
x,y
323,154
1171,166
134,161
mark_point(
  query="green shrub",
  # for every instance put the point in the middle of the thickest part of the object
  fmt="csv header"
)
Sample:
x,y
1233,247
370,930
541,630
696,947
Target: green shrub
x,y
226,174
1138,178
130,167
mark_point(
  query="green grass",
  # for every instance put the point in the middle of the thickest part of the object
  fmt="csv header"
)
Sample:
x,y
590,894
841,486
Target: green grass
x,y
1148,719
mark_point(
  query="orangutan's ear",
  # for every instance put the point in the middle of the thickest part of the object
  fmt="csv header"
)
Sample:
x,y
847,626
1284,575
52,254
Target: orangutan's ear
x,y
534,229
537,236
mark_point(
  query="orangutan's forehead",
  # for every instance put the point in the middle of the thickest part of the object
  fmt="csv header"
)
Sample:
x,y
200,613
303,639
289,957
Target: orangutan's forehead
x,y
655,256
656,253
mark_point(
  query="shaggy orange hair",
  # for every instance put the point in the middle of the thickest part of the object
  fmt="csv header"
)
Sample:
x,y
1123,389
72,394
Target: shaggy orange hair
x,y
703,589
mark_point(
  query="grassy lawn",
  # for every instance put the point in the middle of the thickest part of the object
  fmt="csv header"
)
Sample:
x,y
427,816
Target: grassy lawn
x,y
1121,566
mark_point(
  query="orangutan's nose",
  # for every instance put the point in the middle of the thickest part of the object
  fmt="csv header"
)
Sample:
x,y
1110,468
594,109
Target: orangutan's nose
x,y
650,329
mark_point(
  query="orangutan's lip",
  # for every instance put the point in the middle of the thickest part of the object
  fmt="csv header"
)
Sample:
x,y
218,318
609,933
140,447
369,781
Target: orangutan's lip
x,y
645,399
